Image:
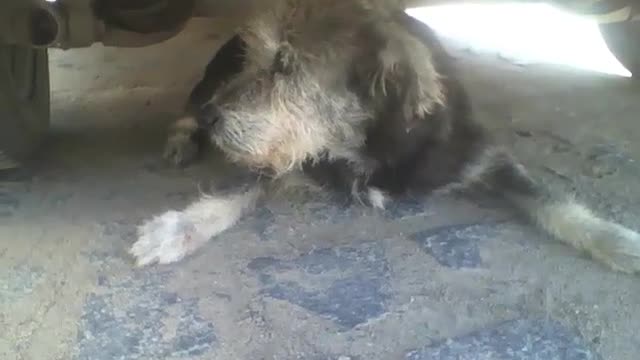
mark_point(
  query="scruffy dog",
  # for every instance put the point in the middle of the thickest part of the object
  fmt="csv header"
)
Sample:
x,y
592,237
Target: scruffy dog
x,y
359,97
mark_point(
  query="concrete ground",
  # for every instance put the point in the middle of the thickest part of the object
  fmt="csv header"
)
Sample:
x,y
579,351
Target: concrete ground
x,y
433,279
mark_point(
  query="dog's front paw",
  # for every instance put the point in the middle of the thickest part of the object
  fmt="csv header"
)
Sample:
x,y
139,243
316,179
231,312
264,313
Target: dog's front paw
x,y
165,239
182,147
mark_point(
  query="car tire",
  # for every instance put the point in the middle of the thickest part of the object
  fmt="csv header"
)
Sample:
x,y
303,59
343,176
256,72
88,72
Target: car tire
x,y
623,40
24,103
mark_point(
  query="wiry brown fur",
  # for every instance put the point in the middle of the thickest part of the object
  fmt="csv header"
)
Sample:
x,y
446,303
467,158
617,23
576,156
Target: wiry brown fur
x,y
322,41
365,100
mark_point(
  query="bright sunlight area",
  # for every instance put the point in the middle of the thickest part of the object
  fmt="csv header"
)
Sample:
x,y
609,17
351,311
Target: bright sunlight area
x,y
525,34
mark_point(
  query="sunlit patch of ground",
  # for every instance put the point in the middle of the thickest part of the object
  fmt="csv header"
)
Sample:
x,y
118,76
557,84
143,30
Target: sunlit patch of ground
x,y
525,33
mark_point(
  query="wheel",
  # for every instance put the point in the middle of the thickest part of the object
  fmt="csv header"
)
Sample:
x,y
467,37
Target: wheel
x,y
623,39
24,103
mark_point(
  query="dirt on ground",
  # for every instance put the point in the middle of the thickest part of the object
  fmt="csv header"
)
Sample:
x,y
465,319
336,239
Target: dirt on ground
x,y
435,278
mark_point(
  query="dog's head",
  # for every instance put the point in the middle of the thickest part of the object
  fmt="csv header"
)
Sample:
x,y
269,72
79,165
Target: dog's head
x,y
314,74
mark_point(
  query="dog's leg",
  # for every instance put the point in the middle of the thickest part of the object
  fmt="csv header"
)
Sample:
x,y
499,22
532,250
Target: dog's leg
x,y
171,236
341,177
559,215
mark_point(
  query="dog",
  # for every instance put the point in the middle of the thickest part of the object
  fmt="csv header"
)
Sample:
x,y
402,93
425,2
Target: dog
x,y
363,100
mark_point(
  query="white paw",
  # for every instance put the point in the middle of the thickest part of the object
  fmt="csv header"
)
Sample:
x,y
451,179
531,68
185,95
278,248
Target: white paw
x,y
377,198
165,239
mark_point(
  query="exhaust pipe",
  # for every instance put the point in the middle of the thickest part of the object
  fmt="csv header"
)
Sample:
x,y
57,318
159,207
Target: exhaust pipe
x,y
40,24
46,25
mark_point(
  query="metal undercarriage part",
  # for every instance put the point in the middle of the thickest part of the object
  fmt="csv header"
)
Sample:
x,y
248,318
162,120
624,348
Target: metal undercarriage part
x,y
123,23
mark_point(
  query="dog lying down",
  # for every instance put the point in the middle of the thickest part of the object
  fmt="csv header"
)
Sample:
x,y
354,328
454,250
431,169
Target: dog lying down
x,y
362,99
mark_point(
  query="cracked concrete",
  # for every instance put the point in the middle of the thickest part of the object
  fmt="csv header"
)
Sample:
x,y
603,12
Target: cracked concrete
x,y
432,279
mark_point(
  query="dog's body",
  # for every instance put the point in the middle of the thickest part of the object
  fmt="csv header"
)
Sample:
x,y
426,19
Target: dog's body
x,y
365,100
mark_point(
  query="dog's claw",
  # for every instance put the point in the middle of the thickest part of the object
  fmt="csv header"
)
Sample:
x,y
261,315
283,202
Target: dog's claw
x,y
180,150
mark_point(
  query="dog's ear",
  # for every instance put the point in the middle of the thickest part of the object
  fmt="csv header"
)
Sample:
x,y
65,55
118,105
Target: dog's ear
x,y
397,71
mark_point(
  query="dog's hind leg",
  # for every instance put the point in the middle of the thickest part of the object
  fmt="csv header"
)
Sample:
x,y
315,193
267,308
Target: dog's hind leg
x,y
559,215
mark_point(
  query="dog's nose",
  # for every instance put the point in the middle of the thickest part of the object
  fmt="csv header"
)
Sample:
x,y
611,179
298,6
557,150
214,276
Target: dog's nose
x,y
208,115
